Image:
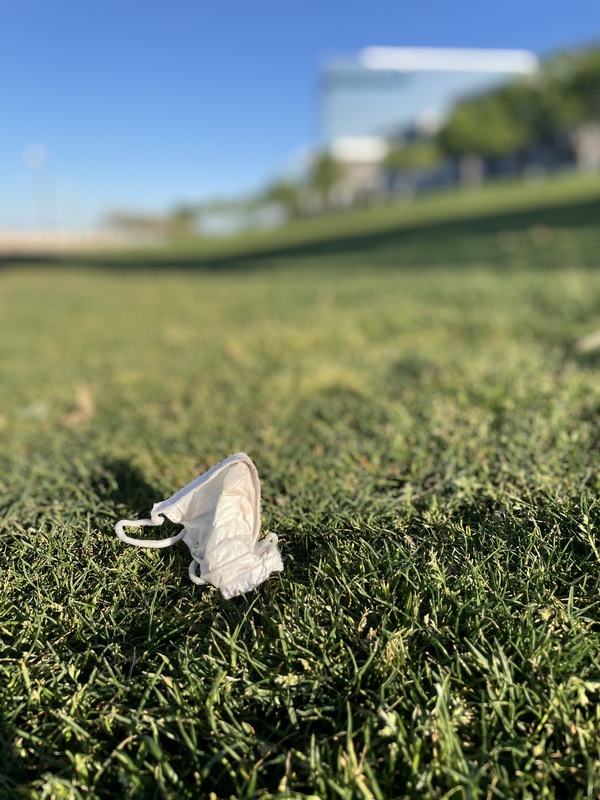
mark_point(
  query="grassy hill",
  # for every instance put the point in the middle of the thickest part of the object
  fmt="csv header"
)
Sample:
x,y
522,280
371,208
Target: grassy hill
x,y
426,431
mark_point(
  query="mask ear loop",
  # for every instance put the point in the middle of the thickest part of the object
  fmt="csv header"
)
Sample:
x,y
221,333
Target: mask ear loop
x,y
193,573
139,523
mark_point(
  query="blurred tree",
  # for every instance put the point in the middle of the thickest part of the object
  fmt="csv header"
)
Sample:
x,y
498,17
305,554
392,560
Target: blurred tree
x,y
484,127
521,102
422,154
285,194
404,163
326,173
543,104
184,221
582,81
583,85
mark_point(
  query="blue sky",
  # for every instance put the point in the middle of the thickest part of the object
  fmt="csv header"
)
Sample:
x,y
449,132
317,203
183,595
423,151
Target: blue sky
x,y
144,104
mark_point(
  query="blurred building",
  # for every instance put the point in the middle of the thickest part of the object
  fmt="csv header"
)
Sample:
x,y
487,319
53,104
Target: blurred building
x,y
361,157
388,93
387,89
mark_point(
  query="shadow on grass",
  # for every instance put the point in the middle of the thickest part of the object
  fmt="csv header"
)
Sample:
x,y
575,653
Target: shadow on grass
x,y
125,492
491,238
120,484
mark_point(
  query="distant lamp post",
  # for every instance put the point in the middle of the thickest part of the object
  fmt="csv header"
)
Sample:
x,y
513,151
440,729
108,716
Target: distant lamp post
x,y
35,157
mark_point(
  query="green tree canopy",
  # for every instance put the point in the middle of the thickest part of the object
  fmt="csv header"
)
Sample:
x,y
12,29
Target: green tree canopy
x,y
583,84
184,220
285,194
485,126
326,172
424,154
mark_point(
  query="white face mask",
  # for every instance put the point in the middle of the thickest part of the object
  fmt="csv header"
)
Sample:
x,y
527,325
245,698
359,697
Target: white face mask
x,y
220,512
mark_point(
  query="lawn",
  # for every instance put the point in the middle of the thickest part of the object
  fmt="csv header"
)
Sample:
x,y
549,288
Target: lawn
x,y
427,435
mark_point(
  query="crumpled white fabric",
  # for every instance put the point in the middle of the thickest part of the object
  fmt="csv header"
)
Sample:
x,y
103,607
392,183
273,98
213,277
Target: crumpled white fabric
x,y
220,512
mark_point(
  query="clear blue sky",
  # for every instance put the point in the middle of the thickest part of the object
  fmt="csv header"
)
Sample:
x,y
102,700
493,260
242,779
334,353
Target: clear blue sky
x,y
144,104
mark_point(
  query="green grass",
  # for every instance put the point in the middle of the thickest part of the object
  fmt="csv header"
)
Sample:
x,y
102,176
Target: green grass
x,y
427,437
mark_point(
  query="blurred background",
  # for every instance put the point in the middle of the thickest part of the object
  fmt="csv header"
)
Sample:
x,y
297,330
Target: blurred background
x,y
145,122
295,214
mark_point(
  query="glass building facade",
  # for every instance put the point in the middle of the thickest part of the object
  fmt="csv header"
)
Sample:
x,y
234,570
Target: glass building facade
x,y
402,88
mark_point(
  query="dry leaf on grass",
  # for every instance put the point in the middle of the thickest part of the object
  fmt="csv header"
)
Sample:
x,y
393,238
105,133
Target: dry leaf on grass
x,y
85,408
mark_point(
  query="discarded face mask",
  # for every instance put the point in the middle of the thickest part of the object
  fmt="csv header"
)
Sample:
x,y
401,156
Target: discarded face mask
x,y
220,512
